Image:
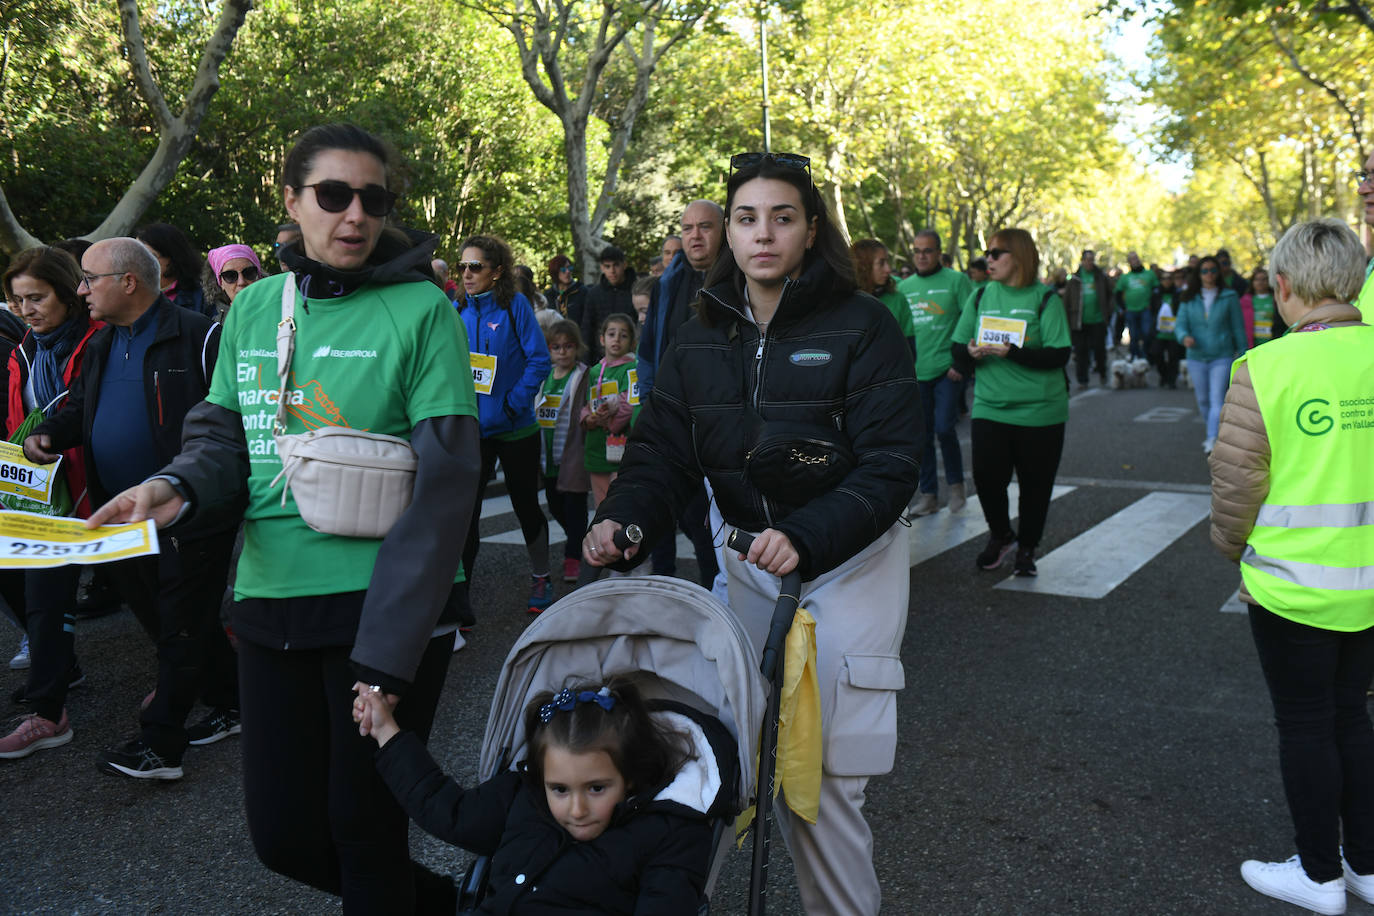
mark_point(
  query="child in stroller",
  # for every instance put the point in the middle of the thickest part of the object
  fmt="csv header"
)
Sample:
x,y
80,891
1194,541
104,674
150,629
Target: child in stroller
x,y
609,814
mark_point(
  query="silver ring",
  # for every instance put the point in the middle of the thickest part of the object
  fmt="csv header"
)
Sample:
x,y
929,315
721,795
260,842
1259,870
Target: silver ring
x,y
594,549
375,688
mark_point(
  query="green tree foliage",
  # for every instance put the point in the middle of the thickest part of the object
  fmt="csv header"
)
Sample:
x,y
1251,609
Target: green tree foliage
x,y
1273,98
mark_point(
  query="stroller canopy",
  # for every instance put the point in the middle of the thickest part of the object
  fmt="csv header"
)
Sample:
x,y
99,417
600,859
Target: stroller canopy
x,y
690,648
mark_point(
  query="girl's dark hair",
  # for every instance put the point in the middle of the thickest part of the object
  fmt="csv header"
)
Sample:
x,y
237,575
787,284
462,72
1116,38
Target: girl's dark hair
x,y
829,246
54,267
1023,250
557,263
865,253
644,286
569,329
644,752
324,137
631,323
498,254
170,242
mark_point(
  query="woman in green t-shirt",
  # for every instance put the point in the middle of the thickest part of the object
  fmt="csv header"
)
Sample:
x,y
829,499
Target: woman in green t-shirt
x,y
873,273
321,616
1018,335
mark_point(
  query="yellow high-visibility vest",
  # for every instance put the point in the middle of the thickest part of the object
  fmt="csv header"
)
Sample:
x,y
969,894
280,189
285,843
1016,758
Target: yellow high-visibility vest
x,y
1310,557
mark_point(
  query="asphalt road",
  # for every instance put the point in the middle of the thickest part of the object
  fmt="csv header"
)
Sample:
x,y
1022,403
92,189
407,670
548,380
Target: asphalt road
x,y
1058,755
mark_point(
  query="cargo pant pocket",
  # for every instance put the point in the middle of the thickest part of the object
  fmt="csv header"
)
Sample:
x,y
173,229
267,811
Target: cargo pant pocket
x,y
863,729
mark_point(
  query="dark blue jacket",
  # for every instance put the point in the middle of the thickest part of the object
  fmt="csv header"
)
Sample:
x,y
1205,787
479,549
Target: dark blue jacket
x,y
654,338
512,335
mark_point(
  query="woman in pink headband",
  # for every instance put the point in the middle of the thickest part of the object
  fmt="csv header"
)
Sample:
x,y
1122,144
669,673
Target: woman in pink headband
x,y
229,269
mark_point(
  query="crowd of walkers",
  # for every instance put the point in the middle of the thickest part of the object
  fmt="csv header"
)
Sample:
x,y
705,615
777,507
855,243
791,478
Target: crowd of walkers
x,y
750,378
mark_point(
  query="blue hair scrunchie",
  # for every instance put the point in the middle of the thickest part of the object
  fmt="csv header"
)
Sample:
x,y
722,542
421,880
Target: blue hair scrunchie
x,y
566,701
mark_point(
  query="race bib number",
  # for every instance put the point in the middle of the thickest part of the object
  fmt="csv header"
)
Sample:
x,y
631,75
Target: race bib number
x,y
605,393
546,411
1264,328
29,541
483,372
615,448
1166,324
634,388
994,332
21,477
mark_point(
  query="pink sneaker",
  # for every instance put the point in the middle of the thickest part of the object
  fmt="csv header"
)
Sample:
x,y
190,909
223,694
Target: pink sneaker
x,y
571,568
34,734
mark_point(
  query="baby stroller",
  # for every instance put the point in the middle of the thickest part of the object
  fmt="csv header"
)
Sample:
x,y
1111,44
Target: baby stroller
x,y
683,647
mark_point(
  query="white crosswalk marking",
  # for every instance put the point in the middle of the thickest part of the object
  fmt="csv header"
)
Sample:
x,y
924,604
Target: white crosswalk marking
x,y
1101,558
1234,605
494,506
932,535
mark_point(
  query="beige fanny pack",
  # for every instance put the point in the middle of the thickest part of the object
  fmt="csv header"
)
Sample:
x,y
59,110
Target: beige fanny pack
x,y
345,481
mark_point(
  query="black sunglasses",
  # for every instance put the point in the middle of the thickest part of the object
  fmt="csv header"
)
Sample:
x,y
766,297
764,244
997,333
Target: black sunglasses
x,y
786,160
475,266
250,273
995,253
335,197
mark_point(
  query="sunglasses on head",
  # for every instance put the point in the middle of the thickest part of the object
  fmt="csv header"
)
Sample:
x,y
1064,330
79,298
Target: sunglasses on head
x,y
786,160
250,273
336,196
475,266
993,254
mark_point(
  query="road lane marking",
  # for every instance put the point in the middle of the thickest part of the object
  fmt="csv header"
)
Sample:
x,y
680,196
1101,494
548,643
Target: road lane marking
x,y
1165,415
1151,485
1234,605
1107,554
932,535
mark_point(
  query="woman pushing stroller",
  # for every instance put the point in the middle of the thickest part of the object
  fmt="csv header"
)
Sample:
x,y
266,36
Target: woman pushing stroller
x,y
794,395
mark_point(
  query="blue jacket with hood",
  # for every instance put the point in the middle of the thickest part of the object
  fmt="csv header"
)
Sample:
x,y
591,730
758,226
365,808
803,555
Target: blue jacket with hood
x,y
512,335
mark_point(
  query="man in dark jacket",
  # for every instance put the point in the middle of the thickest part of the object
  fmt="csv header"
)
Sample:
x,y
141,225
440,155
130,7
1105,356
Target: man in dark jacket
x,y
609,297
1088,304
141,375
670,307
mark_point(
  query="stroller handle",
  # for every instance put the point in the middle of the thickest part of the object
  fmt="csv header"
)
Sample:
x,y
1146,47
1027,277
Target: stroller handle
x,y
789,597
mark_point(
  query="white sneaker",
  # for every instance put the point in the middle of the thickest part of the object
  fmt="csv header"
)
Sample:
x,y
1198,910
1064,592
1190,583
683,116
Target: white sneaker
x,y
925,504
957,498
1361,886
1207,445
1288,882
21,658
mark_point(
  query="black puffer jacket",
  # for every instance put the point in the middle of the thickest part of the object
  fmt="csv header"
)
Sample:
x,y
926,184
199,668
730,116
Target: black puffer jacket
x,y
857,375
651,861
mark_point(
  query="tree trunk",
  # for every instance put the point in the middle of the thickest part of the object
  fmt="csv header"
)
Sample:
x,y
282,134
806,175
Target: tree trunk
x,y
177,132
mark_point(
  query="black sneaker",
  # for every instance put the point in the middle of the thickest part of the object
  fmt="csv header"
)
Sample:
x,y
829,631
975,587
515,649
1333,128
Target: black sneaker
x,y
218,724
138,760
1025,562
996,551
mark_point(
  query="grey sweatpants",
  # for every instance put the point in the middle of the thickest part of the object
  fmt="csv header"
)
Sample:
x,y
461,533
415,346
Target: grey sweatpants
x,y
860,610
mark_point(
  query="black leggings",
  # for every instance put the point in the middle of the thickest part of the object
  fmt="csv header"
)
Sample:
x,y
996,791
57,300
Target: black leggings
x,y
317,810
520,462
570,511
50,595
1033,453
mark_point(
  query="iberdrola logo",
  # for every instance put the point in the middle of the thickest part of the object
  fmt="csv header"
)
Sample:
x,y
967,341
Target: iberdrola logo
x,y
1312,420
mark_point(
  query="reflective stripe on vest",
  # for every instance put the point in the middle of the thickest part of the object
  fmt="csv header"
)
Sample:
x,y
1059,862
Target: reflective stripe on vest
x,y
1328,515
1312,575
1310,555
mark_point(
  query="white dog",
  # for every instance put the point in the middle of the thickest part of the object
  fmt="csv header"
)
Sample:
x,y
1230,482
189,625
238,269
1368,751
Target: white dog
x,y
1129,373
